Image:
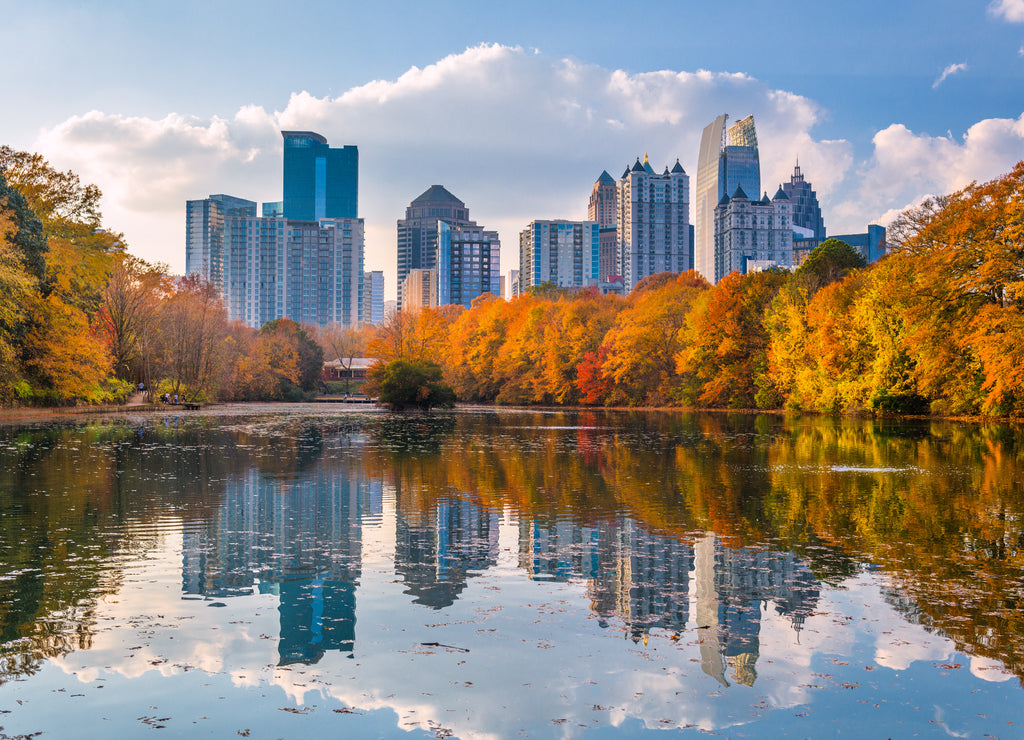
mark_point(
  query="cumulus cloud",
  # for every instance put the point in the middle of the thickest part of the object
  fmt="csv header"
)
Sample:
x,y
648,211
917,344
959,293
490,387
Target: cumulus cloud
x,y
906,166
517,134
1011,10
952,69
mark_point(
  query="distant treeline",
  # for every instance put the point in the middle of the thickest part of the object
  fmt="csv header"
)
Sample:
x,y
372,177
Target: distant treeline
x,y
935,326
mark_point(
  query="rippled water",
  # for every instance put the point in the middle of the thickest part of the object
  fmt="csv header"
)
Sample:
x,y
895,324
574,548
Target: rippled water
x,y
281,571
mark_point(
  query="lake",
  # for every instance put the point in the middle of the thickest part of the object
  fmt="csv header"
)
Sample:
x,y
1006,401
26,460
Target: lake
x,y
298,571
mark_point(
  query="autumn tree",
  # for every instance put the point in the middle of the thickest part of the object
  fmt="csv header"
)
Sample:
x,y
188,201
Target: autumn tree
x,y
642,345
724,345
131,300
190,339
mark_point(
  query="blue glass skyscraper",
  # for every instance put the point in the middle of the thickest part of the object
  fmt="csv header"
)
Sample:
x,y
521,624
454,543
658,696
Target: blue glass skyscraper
x,y
319,181
728,160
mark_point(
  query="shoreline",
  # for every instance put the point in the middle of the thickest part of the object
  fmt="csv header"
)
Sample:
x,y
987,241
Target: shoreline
x,y
33,413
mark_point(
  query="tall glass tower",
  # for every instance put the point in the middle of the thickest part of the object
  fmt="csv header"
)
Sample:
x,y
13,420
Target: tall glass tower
x,y
319,181
728,159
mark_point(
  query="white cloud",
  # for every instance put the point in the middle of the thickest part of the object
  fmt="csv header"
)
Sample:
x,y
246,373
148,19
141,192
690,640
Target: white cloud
x,y
952,69
1011,10
906,166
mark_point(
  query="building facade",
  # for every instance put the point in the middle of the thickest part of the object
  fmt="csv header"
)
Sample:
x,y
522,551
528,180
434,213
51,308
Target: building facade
x,y
417,232
319,181
806,209
562,253
373,297
752,235
728,159
308,271
204,234
870,244
603,201
653,229
420,290
468,263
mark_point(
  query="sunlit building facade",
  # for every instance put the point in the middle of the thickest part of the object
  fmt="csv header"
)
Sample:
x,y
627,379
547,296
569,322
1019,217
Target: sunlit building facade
x,y
752,235
417,232
204,234
468,263
563,253
728,160
308,271
653,229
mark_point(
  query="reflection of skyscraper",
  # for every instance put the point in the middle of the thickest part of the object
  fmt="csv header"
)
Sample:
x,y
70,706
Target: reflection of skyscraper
x,y
728,160
437,551
299,540
731,586
634,576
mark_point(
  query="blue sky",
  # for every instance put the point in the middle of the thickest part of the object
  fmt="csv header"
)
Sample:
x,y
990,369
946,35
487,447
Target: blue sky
x,y
515,107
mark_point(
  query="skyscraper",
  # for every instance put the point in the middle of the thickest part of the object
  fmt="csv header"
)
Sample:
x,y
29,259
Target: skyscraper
x,y
752,235
806,210
204,234
563,253
319,181
309,271
373,297
603,201
468,263
417,232
653,222
728,160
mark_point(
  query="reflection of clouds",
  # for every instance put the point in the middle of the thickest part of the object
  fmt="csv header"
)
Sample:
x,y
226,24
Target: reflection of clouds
x,y
537,655
989,670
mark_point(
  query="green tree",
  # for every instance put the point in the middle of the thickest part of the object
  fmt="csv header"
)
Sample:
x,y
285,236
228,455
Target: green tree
x,y
401,384
828,262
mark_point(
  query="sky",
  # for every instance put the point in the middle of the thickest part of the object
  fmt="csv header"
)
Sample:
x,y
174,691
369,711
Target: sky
x,y
516,108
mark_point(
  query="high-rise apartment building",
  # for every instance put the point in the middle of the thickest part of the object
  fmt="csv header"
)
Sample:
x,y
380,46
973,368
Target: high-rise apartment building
x,y
653,222
417,232
563,253
752,235
303,259
373,297
308,271
806,210
319,181
728,160
420,290
468,263
603,201
204,234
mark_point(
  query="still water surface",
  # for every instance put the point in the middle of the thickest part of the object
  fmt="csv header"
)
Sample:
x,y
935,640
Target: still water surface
x,y
279,571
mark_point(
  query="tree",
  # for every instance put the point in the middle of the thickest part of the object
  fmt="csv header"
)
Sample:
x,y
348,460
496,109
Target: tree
x,y
724,345
643,343
130,304
828,262
66,207
293,354
23,229
401,384
192,328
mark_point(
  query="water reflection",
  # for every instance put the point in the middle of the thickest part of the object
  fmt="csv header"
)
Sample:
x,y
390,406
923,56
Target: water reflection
x,y
692,526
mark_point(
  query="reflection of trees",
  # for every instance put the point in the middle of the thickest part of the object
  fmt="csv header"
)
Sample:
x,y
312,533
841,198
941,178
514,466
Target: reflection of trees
x,y
74,500
936,505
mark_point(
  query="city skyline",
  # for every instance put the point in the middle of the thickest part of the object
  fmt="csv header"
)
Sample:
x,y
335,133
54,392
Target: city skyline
x,y
516,117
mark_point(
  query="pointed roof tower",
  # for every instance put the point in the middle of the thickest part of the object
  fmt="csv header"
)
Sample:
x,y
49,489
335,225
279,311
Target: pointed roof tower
x,y
606,178
678,168
647,165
